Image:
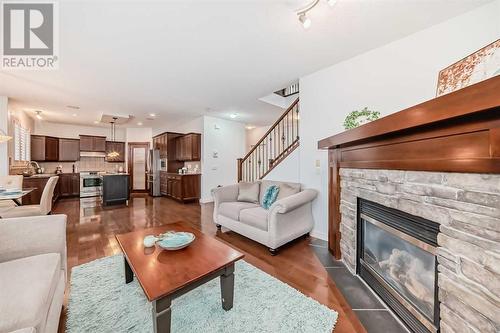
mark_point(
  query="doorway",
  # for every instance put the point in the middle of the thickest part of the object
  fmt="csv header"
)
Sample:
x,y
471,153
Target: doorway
x,y
138,165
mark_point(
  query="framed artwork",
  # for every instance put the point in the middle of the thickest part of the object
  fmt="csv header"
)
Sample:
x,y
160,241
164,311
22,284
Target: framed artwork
x,y
480,65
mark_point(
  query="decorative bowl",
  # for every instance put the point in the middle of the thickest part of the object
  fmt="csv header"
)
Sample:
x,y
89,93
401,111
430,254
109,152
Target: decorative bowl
x,y
175,240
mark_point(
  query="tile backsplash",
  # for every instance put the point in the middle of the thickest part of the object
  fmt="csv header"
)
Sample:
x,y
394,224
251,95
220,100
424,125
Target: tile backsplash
x,y
84,164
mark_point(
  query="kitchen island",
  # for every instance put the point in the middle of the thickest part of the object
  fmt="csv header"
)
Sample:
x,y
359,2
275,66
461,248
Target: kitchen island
x,y
115,188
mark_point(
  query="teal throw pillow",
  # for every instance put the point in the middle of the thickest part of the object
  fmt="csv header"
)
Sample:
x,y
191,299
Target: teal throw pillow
x,y
270,196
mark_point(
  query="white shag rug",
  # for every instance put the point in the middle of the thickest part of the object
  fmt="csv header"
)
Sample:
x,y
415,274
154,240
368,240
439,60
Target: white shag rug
x,y
101,302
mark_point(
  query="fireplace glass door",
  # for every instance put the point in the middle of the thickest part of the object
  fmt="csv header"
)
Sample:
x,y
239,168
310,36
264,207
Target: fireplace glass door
x,y
405,267
396,257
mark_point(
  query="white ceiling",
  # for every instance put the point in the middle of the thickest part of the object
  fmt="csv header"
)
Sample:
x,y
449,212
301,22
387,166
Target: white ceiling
x,y
182,59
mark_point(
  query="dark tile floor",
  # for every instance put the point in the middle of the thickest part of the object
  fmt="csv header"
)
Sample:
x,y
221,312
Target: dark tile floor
x,y
372,313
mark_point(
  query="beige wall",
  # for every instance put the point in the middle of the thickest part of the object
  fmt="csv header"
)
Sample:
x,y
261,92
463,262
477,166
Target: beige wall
x,y
254,135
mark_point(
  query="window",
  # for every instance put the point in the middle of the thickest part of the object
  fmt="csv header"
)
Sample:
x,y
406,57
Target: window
x,y
22,140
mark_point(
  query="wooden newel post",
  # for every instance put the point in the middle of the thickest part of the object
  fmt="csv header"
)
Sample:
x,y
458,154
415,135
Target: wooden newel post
x,y
240,174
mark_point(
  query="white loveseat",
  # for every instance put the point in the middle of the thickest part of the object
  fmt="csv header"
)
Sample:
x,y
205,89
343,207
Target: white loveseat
x,y
32,273
290,217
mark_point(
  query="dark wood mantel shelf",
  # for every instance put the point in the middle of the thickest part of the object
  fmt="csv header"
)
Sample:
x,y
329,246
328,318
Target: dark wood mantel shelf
x,y
457,132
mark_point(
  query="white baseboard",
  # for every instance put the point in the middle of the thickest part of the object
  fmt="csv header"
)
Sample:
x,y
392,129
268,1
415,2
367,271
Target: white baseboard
x,y
319,235
206,200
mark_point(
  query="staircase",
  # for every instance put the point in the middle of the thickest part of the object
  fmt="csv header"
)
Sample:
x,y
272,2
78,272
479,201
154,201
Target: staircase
x,y
278,142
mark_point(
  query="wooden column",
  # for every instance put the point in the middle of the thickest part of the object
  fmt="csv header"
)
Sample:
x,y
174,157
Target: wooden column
x,y
334,202
240,171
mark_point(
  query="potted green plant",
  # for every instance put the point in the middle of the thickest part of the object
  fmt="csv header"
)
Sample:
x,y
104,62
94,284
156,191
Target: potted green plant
x,y
357,118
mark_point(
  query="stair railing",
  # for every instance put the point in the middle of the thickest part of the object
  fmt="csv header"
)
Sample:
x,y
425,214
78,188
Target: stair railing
x,y
278,142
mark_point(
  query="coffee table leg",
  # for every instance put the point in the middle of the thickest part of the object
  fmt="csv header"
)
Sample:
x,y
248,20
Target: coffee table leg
x,y
129,275
227,288
162,315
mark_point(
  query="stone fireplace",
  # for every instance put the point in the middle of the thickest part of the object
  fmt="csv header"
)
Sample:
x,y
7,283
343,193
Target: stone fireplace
x,y
414,209
466,208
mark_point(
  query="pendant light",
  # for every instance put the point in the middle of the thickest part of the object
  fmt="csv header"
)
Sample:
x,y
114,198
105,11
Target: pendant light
x,y
4,137
113,153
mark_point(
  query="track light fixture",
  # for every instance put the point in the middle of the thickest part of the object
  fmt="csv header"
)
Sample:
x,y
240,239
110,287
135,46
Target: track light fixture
x,y
301,13
306,21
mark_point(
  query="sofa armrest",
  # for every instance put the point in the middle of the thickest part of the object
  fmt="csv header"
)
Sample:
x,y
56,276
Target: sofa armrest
x,y
294,201
22,237
225,194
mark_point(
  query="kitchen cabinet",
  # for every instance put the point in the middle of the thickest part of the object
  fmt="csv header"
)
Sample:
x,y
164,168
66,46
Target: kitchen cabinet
x,y
44,148
92,143
188,147
163,183
38,184
69,150
160,142
181,187
37,148
118,147
69,184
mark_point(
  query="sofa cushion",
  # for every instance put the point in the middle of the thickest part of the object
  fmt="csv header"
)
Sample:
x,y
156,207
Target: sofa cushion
x,y
270,196
255,217
232,209
28,285
286,188
248,192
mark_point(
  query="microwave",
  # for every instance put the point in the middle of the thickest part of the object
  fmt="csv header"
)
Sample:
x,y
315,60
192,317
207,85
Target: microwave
x,y
163,164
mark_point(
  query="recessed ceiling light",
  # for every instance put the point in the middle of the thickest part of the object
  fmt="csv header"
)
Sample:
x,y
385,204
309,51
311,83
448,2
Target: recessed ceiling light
x,y
249,127
74,114
152,114
139,123
96,121
233,115
331,3
39,114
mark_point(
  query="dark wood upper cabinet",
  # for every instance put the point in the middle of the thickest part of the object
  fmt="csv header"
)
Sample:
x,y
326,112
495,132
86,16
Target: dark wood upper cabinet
x,y
92,143
69,150
86,143
99,143
44,148
160,143
118,147
188,147
51,149
37,148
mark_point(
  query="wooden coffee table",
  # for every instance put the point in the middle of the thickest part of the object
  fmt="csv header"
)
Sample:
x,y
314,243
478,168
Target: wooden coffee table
x,y
166,275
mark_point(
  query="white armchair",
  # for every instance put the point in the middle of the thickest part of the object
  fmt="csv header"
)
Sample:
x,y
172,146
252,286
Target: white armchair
x,y
290,217
32,273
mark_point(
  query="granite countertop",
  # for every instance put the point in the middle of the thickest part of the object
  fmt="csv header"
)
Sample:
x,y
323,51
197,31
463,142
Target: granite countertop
x,y
182,174
41,175
48,175
116,174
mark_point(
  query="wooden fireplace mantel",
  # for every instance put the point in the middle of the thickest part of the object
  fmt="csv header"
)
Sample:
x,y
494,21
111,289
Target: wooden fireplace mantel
x,y
457,132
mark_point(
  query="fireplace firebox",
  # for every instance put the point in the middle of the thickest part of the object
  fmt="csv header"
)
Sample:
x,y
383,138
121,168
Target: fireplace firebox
x,y
396,257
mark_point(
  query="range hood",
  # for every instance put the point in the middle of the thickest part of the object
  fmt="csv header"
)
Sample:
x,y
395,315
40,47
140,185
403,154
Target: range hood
x,y
92,154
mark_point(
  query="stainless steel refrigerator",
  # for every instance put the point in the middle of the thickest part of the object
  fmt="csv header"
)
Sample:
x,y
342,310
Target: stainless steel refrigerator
x,y
154,165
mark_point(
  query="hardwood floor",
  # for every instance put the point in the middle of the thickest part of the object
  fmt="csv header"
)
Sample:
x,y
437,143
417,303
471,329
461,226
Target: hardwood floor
x,y
91,235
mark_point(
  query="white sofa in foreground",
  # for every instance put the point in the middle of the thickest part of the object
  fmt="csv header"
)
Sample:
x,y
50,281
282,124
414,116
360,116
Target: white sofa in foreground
x,y
32,273
290,217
